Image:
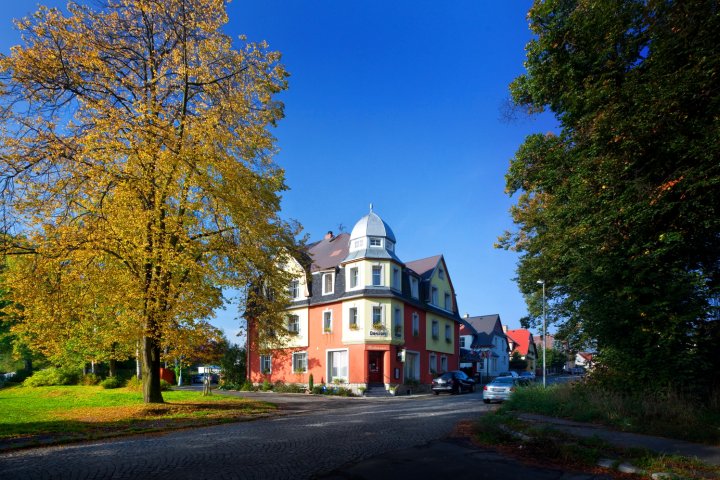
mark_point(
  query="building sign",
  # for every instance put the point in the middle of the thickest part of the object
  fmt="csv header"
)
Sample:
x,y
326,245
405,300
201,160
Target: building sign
x,y
378,333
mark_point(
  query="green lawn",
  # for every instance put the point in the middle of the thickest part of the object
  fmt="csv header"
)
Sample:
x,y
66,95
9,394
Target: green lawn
x,y
46,415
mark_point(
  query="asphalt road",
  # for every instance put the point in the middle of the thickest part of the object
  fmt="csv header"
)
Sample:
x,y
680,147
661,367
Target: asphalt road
x,y
317,437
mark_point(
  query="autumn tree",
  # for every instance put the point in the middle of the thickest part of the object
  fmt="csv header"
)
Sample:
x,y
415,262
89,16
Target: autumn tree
x,y
618,212
136,137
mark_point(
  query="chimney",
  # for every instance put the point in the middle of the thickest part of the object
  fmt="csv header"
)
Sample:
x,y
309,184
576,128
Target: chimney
x,y
467,315
505,328
329,235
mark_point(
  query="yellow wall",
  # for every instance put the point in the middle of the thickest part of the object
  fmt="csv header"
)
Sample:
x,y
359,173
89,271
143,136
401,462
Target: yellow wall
x,y
365,332
440,344
301,339
443,286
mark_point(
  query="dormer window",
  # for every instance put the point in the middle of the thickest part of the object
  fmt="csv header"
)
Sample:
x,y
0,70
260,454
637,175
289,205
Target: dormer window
x,y
414,288
328,283
441,274
390,246
358,244
375,242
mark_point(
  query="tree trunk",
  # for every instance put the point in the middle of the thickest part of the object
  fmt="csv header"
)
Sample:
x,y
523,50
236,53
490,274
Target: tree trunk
x,y
113,367
138,371
28,366
151,371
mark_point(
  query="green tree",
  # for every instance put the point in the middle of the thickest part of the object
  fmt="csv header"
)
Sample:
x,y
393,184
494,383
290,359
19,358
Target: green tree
x,y
234,365
619,211
136,137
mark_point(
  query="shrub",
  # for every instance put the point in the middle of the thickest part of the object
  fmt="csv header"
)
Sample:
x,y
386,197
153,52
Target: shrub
x,y
89,379
318,389
310,383
111,382
165,386
52,376
289,388
134,384
266,386
248,387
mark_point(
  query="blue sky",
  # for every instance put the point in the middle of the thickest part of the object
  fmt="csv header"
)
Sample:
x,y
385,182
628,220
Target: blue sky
x,y
398,104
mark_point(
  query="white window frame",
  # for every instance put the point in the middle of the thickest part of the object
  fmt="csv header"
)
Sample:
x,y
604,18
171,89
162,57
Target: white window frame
x,y
331,275
412,374
415,324
266,363
389,245
327,321
462,341
375,242
328,372
302,357
354,275
358,243
435,329
293,320
397,322
381,309
351,317
294,289
378,268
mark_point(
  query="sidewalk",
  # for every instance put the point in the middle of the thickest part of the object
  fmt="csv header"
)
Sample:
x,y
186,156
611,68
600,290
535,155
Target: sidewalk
x,y
705,453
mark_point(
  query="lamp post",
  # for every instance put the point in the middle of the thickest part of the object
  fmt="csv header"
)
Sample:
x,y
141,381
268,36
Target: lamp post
x,y
544,335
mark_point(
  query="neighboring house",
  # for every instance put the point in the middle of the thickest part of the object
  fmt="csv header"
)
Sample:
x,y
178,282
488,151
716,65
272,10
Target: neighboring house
x,y
521,341
361,317
584,359
485,345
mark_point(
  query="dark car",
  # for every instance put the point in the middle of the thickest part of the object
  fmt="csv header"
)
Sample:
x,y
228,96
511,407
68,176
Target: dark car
x,y
453,382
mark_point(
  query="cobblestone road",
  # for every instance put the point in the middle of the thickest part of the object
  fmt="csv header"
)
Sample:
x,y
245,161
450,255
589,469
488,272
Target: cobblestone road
x,y
312,439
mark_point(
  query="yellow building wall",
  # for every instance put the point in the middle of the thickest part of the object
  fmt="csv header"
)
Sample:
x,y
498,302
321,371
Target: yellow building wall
x,y
439,344
302,338
365,332
443,286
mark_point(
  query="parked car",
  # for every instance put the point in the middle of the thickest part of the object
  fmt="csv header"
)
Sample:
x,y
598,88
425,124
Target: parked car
x,y
509,374
578,371
528,375
499,389
453,382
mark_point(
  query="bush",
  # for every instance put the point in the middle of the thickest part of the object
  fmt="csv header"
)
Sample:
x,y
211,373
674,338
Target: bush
x,y
134,384
266,386
111,382
89,379
52,376
165,386
248,387
289,388
310,383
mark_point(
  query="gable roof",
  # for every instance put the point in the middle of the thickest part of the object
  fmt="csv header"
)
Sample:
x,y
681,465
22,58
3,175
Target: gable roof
x,y
328,252
522,339
425,266
486,324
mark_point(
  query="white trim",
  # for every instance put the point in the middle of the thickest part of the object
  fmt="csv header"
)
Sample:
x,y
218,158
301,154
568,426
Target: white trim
x,y
328,373
327,329
332,282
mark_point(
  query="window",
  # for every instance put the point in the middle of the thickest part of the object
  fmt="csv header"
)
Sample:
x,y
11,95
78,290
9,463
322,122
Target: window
x,y
293,324
415,324
443,363
441,274
358,243
327,321
433,363
435,329
294,289
448,334
434,296
412,366
353,277
397,322
299,362
377,316
396,278
377,275
389,245
327,283
375,242
352,318
414,287
462,342
265,364
337,365
448,303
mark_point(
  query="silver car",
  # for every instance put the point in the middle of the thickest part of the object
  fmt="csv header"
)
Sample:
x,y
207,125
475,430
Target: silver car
x,y
499,389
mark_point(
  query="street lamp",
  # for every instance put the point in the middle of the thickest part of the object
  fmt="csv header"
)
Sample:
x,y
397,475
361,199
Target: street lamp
x,y
544,335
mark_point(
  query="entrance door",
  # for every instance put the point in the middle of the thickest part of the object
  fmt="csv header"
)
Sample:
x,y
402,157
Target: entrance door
x,y
375,367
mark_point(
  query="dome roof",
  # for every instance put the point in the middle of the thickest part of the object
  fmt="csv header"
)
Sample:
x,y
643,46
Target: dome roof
x,y
372,225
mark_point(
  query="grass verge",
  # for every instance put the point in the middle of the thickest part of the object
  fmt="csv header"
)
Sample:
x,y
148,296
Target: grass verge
x,y
503,431
50,415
